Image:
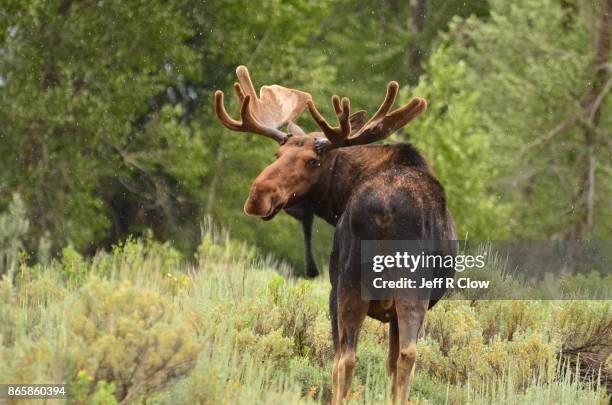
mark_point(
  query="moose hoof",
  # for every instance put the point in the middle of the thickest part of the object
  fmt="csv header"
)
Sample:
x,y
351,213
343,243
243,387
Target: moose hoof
x,y
312,271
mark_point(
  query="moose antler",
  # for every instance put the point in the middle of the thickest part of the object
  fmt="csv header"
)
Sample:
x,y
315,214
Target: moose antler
x,y
275,107
380,126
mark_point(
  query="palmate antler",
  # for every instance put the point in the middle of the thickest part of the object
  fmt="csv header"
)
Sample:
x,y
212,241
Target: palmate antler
x,y
275,107
379,127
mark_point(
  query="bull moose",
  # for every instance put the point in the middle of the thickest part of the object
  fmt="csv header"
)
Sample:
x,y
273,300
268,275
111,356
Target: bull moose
x,y
369,192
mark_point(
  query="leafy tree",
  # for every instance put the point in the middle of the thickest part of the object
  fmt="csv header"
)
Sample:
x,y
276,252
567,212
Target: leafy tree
x,y
107,121
77,78
539,71
453,138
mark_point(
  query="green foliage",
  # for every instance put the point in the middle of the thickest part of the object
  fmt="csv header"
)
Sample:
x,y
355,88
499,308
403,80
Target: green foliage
x,y
238,331
130,336
107,130
595,284
452,137
531,64
106,108
107,337
14,226
77,78
586,331
480,345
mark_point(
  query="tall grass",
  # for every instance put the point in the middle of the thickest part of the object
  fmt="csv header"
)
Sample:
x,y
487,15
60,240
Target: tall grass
x,y
232,326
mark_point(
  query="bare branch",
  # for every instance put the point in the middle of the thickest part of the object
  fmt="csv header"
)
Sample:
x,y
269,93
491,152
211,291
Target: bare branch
x,y
559,129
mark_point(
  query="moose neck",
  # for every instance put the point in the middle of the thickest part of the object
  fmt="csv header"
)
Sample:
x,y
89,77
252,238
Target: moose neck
x,y
345,168
330,194
341,172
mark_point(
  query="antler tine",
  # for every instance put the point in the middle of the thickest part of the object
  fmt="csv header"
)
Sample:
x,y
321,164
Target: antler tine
x,y
335,135
392,89
343,113
248,123
245,80
383,123
224,117
239,92
405,114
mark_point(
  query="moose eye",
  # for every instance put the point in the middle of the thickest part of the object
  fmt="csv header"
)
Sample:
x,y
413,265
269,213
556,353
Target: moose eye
x,y
313,162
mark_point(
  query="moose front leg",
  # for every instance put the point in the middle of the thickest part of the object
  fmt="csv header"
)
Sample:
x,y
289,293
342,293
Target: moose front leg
x,y
303,212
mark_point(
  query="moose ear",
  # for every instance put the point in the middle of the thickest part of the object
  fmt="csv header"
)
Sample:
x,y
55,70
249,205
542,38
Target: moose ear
x,y
357,120
322,145
294,129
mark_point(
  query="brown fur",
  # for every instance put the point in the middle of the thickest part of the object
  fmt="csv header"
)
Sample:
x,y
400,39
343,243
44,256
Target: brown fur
x,y
368,192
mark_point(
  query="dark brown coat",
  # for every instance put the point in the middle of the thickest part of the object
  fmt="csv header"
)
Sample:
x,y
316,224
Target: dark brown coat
x,y
385,192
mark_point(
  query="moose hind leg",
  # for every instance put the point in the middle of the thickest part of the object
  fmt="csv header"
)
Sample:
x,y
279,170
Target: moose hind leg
x,y
352,311
393,355
333,314
410,316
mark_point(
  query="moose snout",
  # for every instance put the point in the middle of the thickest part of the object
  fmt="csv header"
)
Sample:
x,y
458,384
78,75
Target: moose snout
x,y
263,201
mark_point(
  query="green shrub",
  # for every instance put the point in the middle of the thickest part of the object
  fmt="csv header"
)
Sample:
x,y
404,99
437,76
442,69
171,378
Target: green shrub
x,y
590,285
105,332
130,336
137,325
13,230
585,330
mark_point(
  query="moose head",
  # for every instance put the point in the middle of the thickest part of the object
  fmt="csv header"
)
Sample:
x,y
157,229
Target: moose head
x,y
301,157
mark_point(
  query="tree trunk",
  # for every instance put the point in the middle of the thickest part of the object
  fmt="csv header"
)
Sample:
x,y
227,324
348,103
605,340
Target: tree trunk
x,y
419,14
592,102
212,191
418,17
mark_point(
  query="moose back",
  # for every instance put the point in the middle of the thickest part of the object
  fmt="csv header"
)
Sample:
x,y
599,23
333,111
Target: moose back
x,y
370,192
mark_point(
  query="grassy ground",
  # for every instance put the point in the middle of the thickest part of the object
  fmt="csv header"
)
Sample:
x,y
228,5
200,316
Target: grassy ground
x,y
139,325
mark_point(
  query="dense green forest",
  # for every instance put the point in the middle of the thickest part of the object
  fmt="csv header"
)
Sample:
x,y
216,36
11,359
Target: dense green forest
x,y
107,126
129,272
